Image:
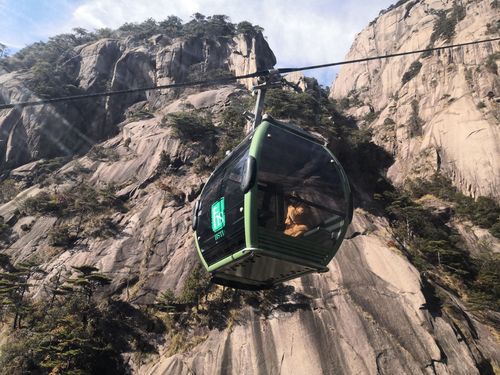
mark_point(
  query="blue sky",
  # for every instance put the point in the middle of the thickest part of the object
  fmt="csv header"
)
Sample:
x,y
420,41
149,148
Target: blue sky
x,y
299,32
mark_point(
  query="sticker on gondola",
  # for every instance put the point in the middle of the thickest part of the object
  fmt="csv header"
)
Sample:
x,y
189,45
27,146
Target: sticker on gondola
x,y
218,216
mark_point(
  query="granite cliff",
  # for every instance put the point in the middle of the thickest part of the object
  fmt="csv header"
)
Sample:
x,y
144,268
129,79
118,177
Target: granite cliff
x,y
113,63
121,203
435,112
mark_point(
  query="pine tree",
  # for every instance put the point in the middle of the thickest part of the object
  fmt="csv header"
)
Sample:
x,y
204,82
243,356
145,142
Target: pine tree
x,y
14,285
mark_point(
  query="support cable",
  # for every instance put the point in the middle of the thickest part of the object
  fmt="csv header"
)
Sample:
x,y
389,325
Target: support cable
x,y
223,80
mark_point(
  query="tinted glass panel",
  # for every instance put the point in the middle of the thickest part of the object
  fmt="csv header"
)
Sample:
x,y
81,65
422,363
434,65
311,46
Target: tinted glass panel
x,y
221,223
300,188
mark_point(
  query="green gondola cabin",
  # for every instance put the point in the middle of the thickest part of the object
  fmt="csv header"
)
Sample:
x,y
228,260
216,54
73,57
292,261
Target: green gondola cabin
x,y
276,208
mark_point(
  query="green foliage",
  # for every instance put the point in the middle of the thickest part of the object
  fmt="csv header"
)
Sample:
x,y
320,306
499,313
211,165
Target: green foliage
x,y
173,193
485,292
347,102
71,333
363,161
195,286
202,164
247,28
62,236
5,231
468,76
98,152
99,227
219,25
444,26
88,281
141,114
415,123
371,116
389,121
8,190
210,27
408,8
344,103
434,248
412,72
83,203
393,6
43,59
164,166
427,53
491,64
190,126
431,242
14,287
481,105
483,212
48,60
49,80
80,200
61,46
141,31
302,108
166,301
43,52
213,27
201,71
232,128
171,26
42,203
495,229
493,28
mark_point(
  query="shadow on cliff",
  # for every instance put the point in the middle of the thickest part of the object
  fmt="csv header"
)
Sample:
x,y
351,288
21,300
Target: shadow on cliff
x,y
364,162
125,324
281,298
226,309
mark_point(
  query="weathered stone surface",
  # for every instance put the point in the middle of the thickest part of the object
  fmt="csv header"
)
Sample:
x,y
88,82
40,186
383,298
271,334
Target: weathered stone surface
x,y
302,82
459,122
250,55
94,62
113,64
366,315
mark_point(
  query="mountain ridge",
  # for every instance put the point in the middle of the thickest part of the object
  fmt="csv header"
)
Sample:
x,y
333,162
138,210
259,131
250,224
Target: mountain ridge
x,y
112,226
434,112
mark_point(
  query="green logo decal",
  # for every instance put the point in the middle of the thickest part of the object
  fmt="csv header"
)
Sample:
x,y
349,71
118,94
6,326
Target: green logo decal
x,y
218,216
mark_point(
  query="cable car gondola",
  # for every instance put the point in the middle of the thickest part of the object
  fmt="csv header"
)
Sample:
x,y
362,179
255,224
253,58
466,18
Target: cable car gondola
x,y
276,208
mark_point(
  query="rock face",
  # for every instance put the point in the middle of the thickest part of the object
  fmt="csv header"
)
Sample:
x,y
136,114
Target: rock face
x,y
113,64
370,314
367,315
436,112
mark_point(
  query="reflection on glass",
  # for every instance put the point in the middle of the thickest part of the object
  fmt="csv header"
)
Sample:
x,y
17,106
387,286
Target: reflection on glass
x,y
217,241
300,193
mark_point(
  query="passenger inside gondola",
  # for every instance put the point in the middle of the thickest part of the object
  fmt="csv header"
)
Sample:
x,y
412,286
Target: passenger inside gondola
x,y
297,219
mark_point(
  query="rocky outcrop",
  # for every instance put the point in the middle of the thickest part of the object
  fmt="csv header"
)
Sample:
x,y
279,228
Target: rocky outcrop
x,y
302,83
114,64
435,112
42,131
151,169
369,314
250,55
